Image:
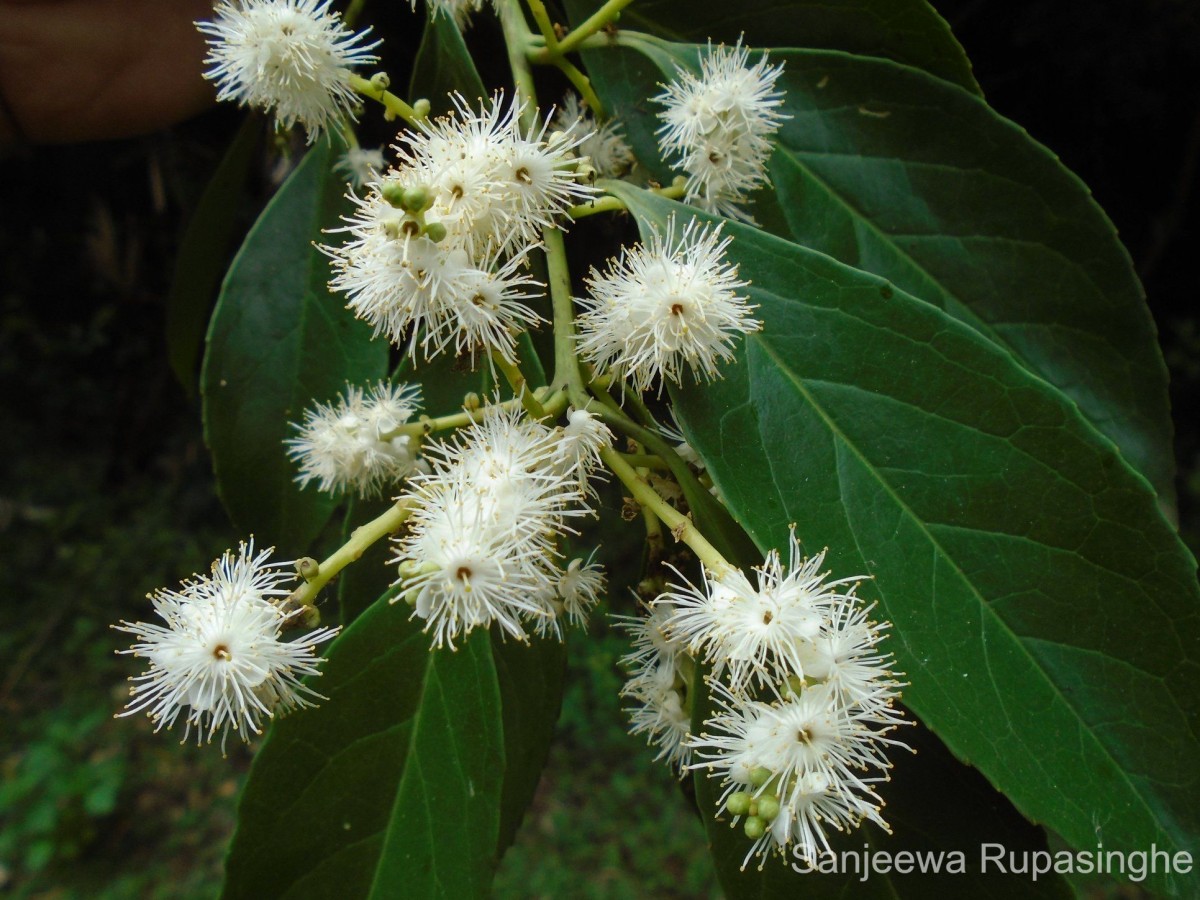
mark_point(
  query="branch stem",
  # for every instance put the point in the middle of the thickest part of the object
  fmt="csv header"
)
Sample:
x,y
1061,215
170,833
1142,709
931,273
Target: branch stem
x,y
362,538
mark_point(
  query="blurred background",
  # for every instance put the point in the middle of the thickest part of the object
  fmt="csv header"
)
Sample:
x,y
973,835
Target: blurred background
x,y
106,490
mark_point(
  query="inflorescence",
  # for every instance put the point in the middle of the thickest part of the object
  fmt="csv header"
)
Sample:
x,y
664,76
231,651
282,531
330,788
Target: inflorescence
x,y
436,257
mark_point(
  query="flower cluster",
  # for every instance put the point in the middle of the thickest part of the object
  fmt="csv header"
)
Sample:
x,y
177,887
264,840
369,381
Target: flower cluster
x,y
357,443
292,56
720,125
803,698
659,687
437,251
481,546
670,302
604,146
219,660
360,165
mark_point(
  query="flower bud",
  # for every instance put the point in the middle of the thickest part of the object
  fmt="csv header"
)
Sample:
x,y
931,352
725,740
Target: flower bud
x,y
754,828
738,803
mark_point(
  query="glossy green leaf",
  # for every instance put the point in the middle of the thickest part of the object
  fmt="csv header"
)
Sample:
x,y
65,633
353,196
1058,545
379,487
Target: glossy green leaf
x,y
915,180
279,340
443,65
531,688
204,252
392,787
909,31
1046,614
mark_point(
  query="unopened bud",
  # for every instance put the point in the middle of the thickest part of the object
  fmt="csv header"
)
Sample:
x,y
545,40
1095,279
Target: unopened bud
x,y
393,193
380,81
768,807
421,108
754,828
471,401
760,776
415,199
435,231
738,803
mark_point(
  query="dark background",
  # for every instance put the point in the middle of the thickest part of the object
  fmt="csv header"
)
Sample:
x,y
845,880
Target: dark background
x,y
106,491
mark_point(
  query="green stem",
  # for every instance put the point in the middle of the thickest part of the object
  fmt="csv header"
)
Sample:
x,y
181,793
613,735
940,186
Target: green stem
x,y
645,461
542,17
566,363
353,11
552,406
391,103
362,538
594,23
615,416
516,39
520,386
682,527
583,84
609,203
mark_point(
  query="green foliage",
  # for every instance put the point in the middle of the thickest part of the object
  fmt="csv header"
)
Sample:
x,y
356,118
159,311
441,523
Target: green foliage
x,y
1011,547
957,390
203,252
899,174
410,778
277,341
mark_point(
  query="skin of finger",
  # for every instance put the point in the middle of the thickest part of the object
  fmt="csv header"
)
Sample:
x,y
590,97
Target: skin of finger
x,y
78,70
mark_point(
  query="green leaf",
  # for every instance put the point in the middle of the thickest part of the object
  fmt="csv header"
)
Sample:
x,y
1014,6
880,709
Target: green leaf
x,y
278,341
908,31
1046,614
392,787
203,254
443,64
531,680
915,180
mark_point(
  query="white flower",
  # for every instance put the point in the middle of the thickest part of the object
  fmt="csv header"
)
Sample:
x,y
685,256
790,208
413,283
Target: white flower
x,y
219,661
463,569
495,185
579,587
449,270
772,631
720,126
293,56
481,544
354,443
603,145
793,766
360,165
652,644
579,444
661,711
663,305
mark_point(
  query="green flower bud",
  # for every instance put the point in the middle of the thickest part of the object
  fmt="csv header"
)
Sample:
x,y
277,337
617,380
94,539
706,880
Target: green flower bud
x,y
754,828
380,81
738,803
435,231
415,199
421,108
393,193
768,807
760,776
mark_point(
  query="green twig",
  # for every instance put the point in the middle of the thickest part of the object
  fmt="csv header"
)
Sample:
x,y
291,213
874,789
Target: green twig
x,y
362,538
